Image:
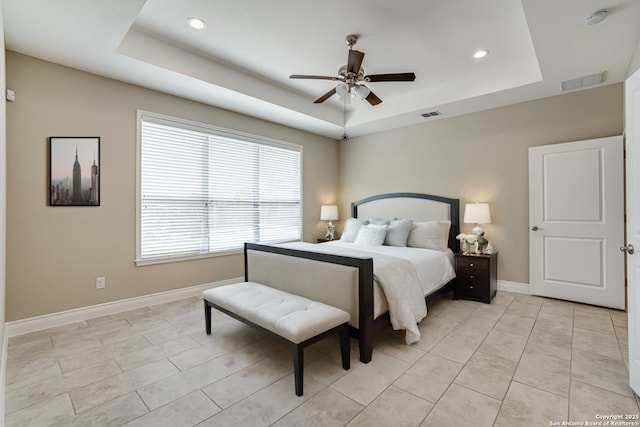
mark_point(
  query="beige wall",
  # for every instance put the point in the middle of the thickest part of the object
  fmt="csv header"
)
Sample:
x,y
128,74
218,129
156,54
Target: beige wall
x,y
55,253
479,157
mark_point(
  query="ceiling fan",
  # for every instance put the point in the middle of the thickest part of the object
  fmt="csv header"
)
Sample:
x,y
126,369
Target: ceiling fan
x,y
352,78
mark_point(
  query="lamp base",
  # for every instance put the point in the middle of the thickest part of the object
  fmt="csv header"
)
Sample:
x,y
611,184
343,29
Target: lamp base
x,y
331,232
477,230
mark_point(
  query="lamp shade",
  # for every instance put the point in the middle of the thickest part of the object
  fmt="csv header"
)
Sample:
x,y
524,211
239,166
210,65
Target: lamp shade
x,y
477,213
362,91
342,89
328,213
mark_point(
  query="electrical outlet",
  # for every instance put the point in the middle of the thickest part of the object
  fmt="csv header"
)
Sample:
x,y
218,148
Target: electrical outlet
x,y
101,282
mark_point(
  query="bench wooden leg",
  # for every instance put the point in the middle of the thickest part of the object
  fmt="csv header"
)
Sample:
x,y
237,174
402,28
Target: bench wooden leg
x,y
345,347
207,317
298,364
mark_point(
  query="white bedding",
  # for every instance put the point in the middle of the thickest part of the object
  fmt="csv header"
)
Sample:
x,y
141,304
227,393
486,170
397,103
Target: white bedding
x,y
432,269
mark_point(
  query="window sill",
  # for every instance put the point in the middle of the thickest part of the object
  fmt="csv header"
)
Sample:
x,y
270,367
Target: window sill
x,y
164,260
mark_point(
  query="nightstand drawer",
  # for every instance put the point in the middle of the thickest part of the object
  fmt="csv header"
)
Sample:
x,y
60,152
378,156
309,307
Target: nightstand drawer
x,y
470,263
481,274
472,288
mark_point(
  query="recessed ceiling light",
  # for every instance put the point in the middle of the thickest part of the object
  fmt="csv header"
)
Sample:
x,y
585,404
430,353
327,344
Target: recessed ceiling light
x,y
196,23
480,53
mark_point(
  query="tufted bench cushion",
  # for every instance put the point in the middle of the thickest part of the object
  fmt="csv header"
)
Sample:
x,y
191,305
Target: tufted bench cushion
x,y
298,320
291,316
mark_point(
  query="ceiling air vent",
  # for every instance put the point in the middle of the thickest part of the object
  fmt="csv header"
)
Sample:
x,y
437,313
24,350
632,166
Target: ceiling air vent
x,y
431,114
590,80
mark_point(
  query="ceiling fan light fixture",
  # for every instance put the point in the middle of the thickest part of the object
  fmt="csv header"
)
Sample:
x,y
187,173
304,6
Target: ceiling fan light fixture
x,y
196,23
342,89
362,91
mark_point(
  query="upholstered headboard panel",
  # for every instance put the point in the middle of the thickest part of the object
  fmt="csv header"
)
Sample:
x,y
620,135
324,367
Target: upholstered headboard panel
x,y
416,206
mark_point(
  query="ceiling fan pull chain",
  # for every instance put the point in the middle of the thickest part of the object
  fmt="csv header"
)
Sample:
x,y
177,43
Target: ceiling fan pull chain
x,y
345,137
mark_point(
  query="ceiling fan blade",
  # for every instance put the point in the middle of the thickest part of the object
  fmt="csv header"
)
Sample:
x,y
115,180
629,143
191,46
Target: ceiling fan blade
x,y
373,99
393,77
355,61
325,96
302,76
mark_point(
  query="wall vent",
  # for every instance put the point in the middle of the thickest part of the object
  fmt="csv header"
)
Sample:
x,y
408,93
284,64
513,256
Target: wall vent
x,y
584,81
431,114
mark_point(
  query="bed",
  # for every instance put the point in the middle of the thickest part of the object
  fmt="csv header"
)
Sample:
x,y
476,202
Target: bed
x,y
360,276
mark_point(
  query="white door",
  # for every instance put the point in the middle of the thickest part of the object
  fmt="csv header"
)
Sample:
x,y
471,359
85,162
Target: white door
x,y
632,123
576,221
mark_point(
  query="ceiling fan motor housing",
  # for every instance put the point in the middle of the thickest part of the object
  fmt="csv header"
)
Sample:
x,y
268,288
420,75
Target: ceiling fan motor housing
x,y
351,78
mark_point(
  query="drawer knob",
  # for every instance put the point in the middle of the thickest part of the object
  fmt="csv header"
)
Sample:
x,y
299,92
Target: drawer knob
x,y
471,277
471,265
470,287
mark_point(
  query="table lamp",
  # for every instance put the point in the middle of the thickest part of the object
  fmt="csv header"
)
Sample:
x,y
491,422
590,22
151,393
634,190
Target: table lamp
x,y
329,213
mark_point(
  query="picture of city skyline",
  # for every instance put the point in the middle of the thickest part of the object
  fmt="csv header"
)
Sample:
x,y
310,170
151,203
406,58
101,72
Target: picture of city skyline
x,y
74,171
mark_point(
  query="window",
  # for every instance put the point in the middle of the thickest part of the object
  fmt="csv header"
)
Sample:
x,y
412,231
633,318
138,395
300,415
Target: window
x,y
203,190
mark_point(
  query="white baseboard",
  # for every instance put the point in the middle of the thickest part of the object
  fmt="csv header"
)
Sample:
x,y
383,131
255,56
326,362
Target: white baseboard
x,y
521,288
32,324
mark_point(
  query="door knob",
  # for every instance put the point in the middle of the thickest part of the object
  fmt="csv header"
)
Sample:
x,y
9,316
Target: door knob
x,y
628,249
535,228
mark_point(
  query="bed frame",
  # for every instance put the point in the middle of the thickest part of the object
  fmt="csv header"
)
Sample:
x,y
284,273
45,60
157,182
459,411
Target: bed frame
x,y
332,278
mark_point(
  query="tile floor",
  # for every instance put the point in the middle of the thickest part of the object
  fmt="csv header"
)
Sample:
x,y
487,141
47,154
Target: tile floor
x,y
520,361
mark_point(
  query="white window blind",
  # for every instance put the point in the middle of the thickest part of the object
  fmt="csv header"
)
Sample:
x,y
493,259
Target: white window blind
x,y
204,190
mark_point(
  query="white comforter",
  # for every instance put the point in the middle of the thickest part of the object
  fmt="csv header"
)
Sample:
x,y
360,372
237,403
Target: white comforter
x,y
406,275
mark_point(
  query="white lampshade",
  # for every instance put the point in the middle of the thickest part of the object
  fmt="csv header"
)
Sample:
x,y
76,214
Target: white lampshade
x,y
477,213
342,89
344,92
328,213
362,91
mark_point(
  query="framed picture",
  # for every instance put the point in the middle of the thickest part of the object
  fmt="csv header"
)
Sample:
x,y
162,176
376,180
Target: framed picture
x,y
74,171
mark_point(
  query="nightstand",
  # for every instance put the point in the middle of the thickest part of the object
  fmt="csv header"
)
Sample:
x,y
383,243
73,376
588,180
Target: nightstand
x,y
476,277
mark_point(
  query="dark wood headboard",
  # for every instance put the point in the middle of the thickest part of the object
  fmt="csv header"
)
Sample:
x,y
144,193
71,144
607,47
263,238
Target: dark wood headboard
x,y
419,207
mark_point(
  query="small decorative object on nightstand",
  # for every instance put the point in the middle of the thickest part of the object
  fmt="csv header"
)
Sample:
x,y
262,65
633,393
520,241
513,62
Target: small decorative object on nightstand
x,y
476,277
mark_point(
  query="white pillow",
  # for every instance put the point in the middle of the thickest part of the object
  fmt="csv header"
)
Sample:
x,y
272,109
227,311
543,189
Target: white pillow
x,y
371,235
398,232
429,235
351,228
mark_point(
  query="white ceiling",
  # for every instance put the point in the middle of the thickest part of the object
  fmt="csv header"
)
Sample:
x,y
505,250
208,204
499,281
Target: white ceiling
x,y
242,60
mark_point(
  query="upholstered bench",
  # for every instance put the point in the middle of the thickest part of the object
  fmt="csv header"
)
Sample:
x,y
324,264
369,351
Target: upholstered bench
x,y
298,320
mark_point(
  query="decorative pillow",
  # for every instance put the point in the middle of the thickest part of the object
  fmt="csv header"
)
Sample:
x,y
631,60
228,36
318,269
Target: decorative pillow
x,y
351,228
371,235
429,235
398,232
